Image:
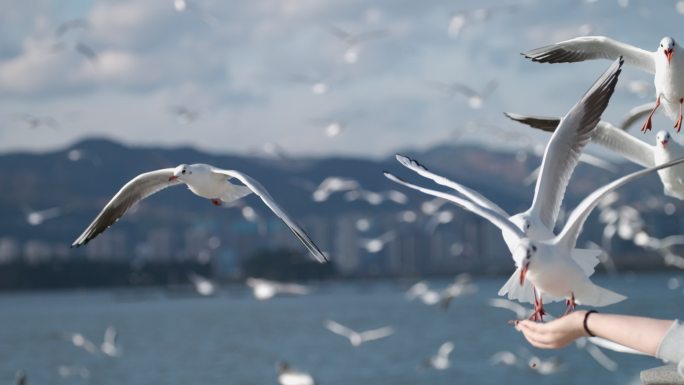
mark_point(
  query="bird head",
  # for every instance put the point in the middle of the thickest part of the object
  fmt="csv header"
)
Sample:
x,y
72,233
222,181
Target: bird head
x,y
667,46
523,222
663,138
181,172
524,254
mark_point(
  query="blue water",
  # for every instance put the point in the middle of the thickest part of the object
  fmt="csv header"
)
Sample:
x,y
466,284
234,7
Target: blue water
x,y
234,339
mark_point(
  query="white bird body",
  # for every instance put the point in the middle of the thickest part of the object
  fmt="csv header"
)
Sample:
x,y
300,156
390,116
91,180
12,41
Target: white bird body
x,y
667,150
290,376
666,64
203,180
440,361
264,289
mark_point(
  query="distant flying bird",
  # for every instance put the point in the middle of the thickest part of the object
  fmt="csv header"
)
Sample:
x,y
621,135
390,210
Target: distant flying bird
x,y
504,357
37,217
79,340
440,361
475,98
462,18
666,64
110,344
422,290
353,42
333,184
183,114
35,122
375,245
316,84
288,375
545,367
264,289
73,370
71,25
203,286
203,180
358,338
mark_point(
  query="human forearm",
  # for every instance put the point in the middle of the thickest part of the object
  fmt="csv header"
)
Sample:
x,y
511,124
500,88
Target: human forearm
x,y
639,333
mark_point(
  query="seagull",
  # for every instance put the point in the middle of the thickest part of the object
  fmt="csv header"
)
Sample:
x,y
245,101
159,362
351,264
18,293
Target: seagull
x,y
422,290
333,184
633,149
461,286
666,63
34,122
548,263
358,338
521,312
109,345
203,180
80,341
354,42
73,370
264,289
184,115
37,217
440,361
558,163
290,376
504,357
203,286
375,245
71,25
475,98
545,367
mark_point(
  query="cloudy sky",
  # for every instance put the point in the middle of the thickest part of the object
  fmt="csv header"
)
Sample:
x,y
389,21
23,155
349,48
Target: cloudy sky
x,y
235,76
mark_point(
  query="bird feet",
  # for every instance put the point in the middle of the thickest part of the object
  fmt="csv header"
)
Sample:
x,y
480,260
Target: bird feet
x,y
678,123
648,124
216,201
570,304
539,312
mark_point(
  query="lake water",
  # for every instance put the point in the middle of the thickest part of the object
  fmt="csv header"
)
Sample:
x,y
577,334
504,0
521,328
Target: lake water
x,y
171,338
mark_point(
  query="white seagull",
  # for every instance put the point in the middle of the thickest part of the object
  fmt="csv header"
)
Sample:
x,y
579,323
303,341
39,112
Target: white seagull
x,y
440,361
290,376
203,286
560,158
264,289
666,63
358,338
203,180
548,263
636,150
109,345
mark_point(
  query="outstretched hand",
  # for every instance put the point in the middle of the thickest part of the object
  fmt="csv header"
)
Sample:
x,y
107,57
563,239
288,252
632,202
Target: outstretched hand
x,y
554,334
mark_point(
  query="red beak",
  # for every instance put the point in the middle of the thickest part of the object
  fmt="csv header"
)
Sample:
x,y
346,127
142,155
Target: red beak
x,y
523,271
173,177
663,142
668,53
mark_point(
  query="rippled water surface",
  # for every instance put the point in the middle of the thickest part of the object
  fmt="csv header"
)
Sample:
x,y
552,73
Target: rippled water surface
x,y
175,338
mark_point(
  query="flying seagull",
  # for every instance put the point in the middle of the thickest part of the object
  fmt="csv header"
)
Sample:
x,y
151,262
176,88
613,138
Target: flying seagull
x,y
666,64
358,338
203,180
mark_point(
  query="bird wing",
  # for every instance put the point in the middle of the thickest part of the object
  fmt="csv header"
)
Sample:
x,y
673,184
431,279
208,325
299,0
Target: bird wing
x,y
519,310
566,144
590,48
445,349
636,113
473,195
376,334
573,227
110,335
271,203
606,135
135,190
339,329
492,216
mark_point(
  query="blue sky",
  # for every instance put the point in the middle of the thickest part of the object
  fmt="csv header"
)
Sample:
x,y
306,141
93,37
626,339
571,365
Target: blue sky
x,y
247,68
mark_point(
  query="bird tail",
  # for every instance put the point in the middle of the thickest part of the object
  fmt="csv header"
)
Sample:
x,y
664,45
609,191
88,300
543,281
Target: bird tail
x,y
235,192
598,296
512,287
587,259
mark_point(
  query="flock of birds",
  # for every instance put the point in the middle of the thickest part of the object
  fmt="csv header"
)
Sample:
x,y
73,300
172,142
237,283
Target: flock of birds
x,y
549,265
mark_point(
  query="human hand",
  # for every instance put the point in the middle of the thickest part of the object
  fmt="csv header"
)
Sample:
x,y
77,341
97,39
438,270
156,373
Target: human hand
x,y
554,334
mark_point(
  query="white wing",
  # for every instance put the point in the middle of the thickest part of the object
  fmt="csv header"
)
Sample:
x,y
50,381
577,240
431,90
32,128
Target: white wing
x,y
339,329
520,311
579,215
636,113
566,144
468,193
610,345
135,190
606,135
110,335
270,202
495,218
377,334
445,349
593,47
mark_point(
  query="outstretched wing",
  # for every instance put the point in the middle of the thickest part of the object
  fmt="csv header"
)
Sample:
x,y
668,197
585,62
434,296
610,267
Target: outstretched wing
x,y
573,227
461,189
566,144
338,328
271,203
492,216
377,334
590,48
135,190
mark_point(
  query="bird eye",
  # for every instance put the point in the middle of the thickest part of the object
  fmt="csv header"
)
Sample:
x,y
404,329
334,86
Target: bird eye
x,y
183,172
534,248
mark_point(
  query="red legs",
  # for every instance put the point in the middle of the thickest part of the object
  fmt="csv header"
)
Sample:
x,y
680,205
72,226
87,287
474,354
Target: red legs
x,y
216,201
678,123
538,314
570,304
648,125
